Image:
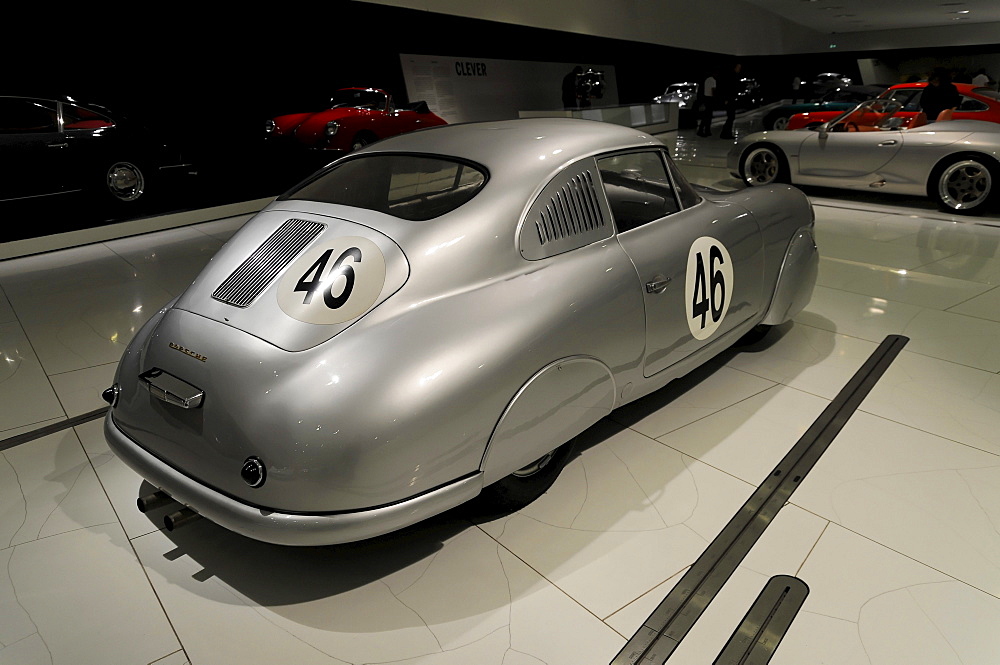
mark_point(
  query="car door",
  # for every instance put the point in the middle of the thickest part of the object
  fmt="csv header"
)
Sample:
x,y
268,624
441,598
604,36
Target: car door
x,y
699,264
848,154
33,148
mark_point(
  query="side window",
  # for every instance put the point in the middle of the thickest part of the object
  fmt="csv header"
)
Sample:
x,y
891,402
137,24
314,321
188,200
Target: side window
x,y
638,188
19,116
970,104
76,117
686,194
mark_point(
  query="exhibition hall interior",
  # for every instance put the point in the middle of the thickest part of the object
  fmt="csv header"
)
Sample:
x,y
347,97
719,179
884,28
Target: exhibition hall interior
x,y
428,332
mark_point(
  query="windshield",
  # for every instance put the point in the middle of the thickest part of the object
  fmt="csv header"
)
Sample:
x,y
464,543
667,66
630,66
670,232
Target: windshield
x,y
412,187
680,88
359,99
873,115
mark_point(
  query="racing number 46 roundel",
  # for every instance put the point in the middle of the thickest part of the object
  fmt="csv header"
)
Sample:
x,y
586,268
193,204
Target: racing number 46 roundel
x,y
709,286
333,282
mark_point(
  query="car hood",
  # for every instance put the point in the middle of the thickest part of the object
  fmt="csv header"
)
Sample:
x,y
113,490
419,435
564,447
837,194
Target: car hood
x,y
309,128
297,278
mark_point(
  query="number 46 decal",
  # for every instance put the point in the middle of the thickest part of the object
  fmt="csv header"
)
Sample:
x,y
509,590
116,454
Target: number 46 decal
x,y
708,287
334,282
317,283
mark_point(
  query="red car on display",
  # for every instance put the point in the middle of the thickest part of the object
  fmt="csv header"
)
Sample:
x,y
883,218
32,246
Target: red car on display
x,y
356,117
978,103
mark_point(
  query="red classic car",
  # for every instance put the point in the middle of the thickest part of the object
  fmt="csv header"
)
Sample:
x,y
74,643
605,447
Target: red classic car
x,y
977,103
356,117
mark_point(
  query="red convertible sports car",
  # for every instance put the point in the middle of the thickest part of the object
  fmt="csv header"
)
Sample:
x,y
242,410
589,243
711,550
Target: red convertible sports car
x,y
977,103
356,117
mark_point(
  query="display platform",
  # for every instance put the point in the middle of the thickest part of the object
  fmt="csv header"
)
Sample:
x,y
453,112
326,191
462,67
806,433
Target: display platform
x,y
893,531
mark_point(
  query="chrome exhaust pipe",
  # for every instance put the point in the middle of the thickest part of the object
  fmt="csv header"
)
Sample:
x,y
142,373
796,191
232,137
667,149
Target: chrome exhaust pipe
x,y
180,518
157,499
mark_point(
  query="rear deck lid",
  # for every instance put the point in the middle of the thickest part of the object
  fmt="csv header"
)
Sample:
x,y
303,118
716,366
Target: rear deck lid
x,y
297,279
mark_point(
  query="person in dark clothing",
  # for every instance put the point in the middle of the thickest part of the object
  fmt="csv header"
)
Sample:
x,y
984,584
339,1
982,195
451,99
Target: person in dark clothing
x,y
939,95
569,98
728,88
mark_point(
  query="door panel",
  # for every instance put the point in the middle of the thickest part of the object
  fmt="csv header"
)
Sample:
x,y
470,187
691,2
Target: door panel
x,y
692,293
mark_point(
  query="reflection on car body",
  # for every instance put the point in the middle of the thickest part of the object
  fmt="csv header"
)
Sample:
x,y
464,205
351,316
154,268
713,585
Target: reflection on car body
x,y
437,316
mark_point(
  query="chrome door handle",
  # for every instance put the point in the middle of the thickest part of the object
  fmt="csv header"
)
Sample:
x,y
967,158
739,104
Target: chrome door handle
x,y
58,145
658,285
889,142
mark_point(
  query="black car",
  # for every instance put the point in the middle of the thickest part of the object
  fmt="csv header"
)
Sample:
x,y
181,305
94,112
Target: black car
x,y
58,146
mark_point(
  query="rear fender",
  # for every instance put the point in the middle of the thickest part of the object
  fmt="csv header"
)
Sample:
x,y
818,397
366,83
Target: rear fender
x,y
557,403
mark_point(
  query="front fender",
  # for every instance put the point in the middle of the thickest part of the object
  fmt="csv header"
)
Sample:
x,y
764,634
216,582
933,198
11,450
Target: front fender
x,y
796,279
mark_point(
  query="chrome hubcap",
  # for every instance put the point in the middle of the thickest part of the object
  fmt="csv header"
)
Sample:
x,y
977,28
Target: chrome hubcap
x,y
125,181
965,185
761,167
780,123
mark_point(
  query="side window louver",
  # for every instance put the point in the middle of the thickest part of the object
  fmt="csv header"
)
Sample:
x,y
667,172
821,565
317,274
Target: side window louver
x,y
568,214
572,210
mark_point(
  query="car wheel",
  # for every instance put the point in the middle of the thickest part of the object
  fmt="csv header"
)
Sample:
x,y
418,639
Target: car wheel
x,y
781,122
528,483
125,181
764,165
360,141
963,185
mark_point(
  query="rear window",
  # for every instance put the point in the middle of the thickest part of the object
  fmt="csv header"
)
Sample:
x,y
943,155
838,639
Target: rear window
x,y
412,187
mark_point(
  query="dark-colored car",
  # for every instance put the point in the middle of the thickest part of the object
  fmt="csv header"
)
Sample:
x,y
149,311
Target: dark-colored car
x,y
841,99
59,146
354,118
748,95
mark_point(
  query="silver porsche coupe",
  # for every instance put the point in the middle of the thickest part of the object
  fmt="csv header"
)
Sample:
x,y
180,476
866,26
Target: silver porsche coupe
x,y
435,317
879,146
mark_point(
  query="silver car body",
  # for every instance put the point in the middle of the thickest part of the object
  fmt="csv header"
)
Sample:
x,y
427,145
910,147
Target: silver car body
x,y
684,94
885,156
495,333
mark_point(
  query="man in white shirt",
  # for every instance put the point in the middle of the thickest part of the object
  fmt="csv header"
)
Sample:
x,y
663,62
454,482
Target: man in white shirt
x,y
707,106
981,79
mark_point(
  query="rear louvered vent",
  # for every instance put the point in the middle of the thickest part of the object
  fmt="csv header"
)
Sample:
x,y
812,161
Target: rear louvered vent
x,y
252,277
572,210
569,213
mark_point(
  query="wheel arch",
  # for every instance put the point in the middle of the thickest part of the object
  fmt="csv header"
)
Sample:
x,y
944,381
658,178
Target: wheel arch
x,y
558,402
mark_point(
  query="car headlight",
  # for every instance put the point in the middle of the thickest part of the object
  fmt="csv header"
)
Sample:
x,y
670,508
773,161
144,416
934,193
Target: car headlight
x,y
269,126
331,128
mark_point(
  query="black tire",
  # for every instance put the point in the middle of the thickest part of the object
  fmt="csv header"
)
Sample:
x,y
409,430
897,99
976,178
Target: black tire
x,y
763,165
964,184
527,484
754,335
126,181
360,140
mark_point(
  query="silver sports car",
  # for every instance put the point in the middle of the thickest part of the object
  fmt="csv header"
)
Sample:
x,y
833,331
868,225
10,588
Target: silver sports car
x,y
879,146
436,317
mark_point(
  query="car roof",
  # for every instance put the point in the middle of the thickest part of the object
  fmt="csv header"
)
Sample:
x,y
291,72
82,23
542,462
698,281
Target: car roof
x,y
531,147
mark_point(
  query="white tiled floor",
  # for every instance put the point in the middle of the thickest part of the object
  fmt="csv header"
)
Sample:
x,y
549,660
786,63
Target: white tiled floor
x,y
895,530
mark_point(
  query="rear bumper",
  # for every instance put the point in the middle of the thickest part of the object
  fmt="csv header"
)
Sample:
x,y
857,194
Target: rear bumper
x,y
285,528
